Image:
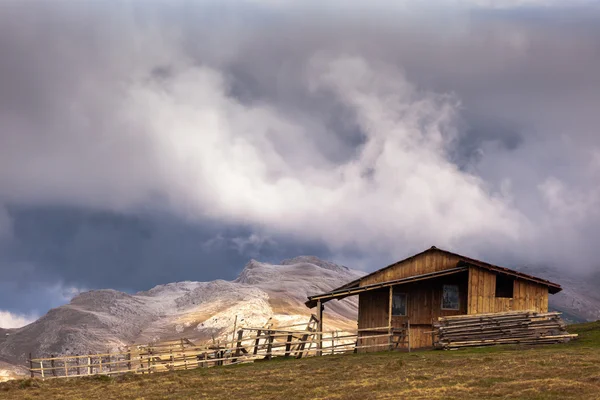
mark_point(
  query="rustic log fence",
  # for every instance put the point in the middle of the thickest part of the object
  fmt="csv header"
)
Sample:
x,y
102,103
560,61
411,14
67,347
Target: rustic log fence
x,y
249,344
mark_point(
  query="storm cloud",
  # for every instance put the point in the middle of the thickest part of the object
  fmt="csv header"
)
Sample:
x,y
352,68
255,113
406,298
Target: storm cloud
x,y
147,143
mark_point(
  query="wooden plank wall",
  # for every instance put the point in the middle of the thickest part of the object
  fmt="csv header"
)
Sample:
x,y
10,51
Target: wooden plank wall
x,y
482,291
530,296
373,313
424,305
527,295
429,262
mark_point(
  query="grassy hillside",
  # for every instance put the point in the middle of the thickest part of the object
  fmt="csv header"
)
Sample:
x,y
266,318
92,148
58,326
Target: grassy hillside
x,y
552,372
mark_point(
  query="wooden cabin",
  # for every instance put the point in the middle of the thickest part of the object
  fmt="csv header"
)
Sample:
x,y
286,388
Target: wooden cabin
x,y
411,294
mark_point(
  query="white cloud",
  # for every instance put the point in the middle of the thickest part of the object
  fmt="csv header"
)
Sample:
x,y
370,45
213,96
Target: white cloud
x,y
9,320
123,136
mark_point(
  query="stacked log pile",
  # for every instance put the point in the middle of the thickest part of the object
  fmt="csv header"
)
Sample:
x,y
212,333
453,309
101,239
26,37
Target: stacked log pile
x,y
515,327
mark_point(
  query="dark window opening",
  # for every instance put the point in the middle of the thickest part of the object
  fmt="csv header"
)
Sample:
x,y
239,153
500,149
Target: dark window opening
x,y
450,298
399,304
504,286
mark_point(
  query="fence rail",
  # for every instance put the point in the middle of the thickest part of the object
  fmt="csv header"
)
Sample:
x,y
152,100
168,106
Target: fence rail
x,y
247,345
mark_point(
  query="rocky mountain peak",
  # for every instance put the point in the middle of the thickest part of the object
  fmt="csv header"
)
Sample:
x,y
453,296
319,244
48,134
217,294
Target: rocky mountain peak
x,y
315,261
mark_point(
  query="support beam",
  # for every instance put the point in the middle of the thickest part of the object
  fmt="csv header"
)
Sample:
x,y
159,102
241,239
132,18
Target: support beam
x,y
390,317
320,308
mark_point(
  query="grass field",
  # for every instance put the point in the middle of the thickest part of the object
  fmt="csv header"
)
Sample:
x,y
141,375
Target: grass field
x,y
568,371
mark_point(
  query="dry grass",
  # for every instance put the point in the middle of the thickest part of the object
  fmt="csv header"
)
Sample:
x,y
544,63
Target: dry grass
x,y
551,372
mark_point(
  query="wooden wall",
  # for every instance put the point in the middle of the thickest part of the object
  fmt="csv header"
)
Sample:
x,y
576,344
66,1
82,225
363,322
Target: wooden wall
x,y
428,262
373,313
527,295
424,305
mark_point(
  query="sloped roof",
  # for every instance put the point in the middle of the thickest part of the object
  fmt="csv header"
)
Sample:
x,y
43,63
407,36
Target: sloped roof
x,y
552,287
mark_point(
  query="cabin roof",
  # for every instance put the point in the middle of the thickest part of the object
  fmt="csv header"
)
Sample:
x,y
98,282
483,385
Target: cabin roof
x,y
464,262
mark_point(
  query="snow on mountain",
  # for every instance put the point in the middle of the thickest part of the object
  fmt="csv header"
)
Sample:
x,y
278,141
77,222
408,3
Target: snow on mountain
x,y
101,320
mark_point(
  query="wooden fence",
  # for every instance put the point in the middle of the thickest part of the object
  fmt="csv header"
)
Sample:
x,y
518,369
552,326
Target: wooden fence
x,y
248,345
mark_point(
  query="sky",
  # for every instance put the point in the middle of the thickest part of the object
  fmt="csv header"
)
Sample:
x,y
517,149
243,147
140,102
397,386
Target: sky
x,y
143,143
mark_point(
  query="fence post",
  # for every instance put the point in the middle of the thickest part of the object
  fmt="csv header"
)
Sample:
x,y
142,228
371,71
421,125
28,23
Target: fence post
x,y
320,328
78,361
42,368
270,346
288,345
129,359
66,365
332,342
408,333
257,341
89,361
52,364
238,345
30,365
141,362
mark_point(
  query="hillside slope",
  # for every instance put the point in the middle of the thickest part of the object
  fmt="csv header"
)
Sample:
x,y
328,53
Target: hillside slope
x,y
565,371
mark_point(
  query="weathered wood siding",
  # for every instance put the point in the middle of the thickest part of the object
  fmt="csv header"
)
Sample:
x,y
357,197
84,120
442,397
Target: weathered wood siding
x,y
373,313
423,305
527,295
530,296
482,291
421,264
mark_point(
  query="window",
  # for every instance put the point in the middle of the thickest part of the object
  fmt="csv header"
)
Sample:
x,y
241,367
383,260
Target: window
x,y
504,286
399,304
450,297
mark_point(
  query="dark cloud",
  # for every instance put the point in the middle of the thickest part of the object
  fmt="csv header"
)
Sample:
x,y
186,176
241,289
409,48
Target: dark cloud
x,y
63,249
143,143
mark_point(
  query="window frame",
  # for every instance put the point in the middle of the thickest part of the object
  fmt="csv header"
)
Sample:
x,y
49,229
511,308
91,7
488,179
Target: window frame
x,y
395,293
509,282
457,295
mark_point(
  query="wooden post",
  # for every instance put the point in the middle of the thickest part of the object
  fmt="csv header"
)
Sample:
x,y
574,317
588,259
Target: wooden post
x,y
150,362
233,334
89,368
108,365
390,317
100,364
320,308
332,342
66,365
42,368
238,345
257,341
52,365
408,333
288,346
78,362
30,365
269,345
129,359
